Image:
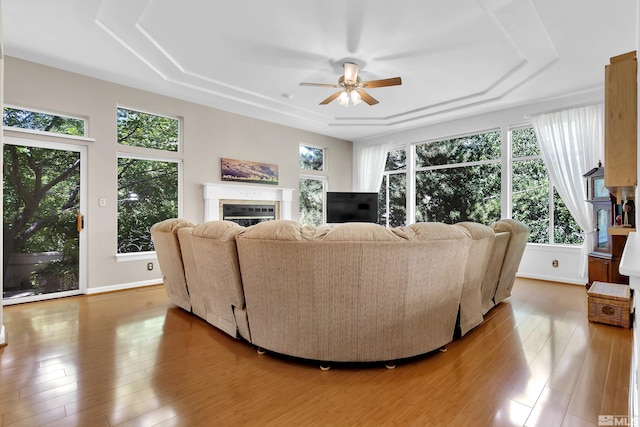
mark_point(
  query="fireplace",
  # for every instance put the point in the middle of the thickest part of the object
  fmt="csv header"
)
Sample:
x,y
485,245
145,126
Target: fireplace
x,y
247,214
241,197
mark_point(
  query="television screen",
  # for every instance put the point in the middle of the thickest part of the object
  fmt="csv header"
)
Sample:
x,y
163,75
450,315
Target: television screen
x,y
352,207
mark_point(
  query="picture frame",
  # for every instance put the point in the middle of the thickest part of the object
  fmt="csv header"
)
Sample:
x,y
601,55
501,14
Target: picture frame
x,y
248,171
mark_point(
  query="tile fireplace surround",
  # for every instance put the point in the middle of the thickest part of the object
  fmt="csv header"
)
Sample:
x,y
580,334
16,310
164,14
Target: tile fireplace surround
x,y
216,194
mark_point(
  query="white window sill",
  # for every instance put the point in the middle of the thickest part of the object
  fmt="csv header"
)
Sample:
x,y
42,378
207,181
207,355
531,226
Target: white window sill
x,y
138,256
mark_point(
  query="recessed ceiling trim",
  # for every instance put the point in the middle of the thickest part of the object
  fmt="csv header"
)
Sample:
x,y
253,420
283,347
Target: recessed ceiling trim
x,y
193,81
130,48
458,108
474,56
198,82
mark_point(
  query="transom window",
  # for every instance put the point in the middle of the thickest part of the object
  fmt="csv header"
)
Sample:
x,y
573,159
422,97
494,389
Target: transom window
x,y
147,130
311,158
43,122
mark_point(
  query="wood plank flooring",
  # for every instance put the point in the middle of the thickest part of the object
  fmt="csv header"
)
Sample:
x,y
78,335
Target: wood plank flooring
x,y
131,358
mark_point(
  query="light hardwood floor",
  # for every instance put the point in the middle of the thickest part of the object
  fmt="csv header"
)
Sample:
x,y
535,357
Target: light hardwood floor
x,y
131,358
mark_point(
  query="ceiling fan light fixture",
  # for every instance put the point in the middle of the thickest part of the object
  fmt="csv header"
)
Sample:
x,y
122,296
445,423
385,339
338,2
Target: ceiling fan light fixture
x,y
355,98
351,89
343,99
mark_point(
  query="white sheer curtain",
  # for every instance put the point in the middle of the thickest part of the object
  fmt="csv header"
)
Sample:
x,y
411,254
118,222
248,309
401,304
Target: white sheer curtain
x,y
369,168
572,143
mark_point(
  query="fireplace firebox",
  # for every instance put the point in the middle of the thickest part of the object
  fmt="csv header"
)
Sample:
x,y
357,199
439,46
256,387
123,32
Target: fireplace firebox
x,y
247,214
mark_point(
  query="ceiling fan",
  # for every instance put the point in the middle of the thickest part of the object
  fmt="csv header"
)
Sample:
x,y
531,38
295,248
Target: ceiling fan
x,y
351,88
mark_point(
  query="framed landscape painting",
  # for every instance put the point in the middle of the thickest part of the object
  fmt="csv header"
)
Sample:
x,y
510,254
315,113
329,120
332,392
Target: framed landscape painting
x,y
253,172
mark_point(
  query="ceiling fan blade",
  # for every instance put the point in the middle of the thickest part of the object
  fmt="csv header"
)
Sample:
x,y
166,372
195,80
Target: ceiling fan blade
x,y
331,98
319,84
366,97
394,81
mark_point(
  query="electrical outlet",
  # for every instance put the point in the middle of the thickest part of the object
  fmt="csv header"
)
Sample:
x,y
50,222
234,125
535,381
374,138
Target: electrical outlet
x,y
149,266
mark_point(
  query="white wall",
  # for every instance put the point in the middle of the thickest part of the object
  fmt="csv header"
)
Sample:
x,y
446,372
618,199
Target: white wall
x,y
537,263
208,134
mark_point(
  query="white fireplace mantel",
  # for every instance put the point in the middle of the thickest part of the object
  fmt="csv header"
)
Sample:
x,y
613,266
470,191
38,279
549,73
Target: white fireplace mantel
x,y
214,192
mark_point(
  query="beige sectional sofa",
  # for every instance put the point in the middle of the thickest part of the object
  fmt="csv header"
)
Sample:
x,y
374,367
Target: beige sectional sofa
x,y
170,258
483,238
348,293
356,292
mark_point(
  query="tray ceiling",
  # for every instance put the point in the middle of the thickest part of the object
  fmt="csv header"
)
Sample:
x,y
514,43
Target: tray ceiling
x,y
455,58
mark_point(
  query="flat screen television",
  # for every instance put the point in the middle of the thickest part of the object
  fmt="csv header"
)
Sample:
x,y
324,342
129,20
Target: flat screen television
x,y
352,207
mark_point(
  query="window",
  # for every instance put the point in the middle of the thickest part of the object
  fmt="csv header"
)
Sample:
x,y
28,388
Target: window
x,y
312,185
147,130
312,191
535,201
459,179
311,158
148,184
42,122
392,198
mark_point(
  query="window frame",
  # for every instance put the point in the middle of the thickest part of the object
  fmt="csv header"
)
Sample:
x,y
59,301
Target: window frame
x,y
386,175
505,161
416,169
324,159
179,148
325,184
85,120
152,154
551,190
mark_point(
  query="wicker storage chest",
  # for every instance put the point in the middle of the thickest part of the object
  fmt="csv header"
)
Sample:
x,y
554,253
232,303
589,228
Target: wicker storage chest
x,y
610,303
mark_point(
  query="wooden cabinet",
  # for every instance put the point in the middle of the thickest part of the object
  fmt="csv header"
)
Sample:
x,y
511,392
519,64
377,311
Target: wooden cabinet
x,y
604,267
621,117
608,240
600,268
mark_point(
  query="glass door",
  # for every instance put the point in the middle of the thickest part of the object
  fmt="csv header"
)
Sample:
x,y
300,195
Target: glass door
x,y
43,225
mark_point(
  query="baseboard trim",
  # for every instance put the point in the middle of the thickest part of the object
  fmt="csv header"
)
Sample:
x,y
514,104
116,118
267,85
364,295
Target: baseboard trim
x,y
123,286
580,282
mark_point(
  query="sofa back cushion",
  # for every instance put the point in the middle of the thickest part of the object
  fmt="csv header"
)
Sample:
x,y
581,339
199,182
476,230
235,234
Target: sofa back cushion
x,y
169,253
483,238
352,292
216,258
191,272
518,238
494,266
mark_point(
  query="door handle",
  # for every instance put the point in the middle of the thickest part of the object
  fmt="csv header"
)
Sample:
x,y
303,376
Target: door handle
x,y
80,222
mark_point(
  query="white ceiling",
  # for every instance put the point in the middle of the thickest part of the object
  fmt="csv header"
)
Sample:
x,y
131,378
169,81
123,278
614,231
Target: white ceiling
x,y
456,58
